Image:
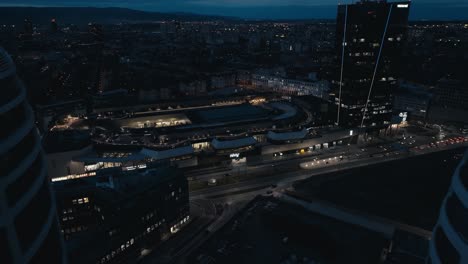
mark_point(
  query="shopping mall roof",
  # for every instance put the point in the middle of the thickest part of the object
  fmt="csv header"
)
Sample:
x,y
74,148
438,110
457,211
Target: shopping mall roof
x,y
285,136
167,154
232,144
287,109
144,153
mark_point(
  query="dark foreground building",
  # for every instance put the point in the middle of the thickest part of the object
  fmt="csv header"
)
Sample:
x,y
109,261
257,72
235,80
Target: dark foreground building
x,y
448,244
114,216
369,40
28,219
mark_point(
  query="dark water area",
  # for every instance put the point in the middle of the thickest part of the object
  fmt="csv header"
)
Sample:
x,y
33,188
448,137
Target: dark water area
x,y
410,191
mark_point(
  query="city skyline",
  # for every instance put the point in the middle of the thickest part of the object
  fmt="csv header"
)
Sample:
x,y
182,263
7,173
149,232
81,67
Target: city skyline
x,y
265,9
193,137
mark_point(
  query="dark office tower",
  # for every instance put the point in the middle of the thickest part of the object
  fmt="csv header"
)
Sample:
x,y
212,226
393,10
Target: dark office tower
x,y
53,25
96,31
28,27
28,221
370,36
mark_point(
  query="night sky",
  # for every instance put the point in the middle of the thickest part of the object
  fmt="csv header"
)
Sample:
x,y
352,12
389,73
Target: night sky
x,y
259,9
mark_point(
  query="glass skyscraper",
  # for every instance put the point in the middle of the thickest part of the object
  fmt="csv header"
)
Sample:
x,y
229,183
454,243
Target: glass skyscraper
x,y
370,36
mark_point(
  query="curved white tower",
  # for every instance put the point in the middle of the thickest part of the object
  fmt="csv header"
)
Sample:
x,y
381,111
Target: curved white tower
x,y
28,221
449,242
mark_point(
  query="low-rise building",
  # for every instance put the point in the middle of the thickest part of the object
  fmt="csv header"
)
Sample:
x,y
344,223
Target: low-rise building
x,y
113,217
287,137
86,162
289,86
414,99
450,102
46,114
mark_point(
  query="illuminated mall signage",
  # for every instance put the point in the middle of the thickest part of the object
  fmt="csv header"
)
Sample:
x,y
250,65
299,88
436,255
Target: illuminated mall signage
x,y
404,116
73,176
234,155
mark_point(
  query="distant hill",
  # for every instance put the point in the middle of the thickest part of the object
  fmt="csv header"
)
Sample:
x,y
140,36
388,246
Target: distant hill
x,y
84,15
111,15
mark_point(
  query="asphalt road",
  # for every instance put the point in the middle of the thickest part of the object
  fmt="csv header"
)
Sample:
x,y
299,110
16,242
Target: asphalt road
x,y
283,173
286,172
